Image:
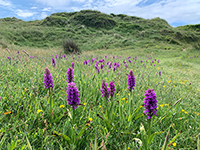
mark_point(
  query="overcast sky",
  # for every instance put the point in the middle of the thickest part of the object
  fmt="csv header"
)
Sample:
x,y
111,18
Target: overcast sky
x,y
175,12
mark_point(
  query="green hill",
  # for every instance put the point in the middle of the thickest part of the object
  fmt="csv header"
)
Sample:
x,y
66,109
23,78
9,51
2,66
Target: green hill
x,y
195,27
95,30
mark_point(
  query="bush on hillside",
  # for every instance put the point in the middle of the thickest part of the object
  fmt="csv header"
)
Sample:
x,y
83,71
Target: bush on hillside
x,y
13,19
55,21
70,47
128,27
94,19
195,27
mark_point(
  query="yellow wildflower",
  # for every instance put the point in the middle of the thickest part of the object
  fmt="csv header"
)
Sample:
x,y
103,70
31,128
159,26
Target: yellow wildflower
x,y
39,110
129,94
181,82
157,107
123,98
84,104
128,147
161,105
25,89
99,106
166,104
174,144
62,106
90,119
164,86
117,94
135,70
199,90
9,112
186,112
169,81
126,101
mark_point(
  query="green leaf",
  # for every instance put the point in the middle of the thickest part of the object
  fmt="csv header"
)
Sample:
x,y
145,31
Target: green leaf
x,y
151,138
2,140
8,146
129,117
174,138
138,116
166,139
198,143
81,132
61,135
66,137
58,119
61,147
69,113
144,136
14,144
29,145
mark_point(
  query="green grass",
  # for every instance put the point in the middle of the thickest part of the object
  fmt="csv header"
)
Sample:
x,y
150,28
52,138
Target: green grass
x,y
31,124
95,30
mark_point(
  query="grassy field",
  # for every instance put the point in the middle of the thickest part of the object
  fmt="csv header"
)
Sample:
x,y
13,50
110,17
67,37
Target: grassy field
x,y
34,118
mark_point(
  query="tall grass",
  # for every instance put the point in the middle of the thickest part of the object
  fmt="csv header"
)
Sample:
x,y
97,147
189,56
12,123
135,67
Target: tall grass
x,y
28,121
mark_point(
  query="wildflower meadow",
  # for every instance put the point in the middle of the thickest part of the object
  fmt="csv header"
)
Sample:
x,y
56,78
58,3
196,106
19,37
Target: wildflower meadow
x,y
99,100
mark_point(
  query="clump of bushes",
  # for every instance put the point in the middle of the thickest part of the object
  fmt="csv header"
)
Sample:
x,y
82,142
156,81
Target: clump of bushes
x,y
94,19
57,21
70,47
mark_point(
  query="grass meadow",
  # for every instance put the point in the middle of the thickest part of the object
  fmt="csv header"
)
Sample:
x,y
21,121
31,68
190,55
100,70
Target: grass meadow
x,y
34,118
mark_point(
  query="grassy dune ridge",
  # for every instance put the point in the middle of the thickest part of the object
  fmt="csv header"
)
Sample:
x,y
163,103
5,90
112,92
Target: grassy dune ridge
x,y
95,30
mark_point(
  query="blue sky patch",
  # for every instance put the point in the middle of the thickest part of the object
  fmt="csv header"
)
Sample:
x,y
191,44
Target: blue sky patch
x,y
175,12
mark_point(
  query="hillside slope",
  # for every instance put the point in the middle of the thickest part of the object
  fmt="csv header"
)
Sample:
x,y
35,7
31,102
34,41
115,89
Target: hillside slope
x,y
95,30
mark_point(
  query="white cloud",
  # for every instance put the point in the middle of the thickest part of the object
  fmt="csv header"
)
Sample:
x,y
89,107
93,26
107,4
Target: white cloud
x,y
81,1
170,10
47,9
24,13
43,15
33,7
5,3
76,8
54,3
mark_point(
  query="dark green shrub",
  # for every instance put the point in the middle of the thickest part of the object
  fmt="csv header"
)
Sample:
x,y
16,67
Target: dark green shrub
x,y
195,27
70,47
55,21
94,19
128,27
13,19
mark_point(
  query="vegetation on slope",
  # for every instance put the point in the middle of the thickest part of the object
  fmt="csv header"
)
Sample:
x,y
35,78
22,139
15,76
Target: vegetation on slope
x,y
95,30
195,27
